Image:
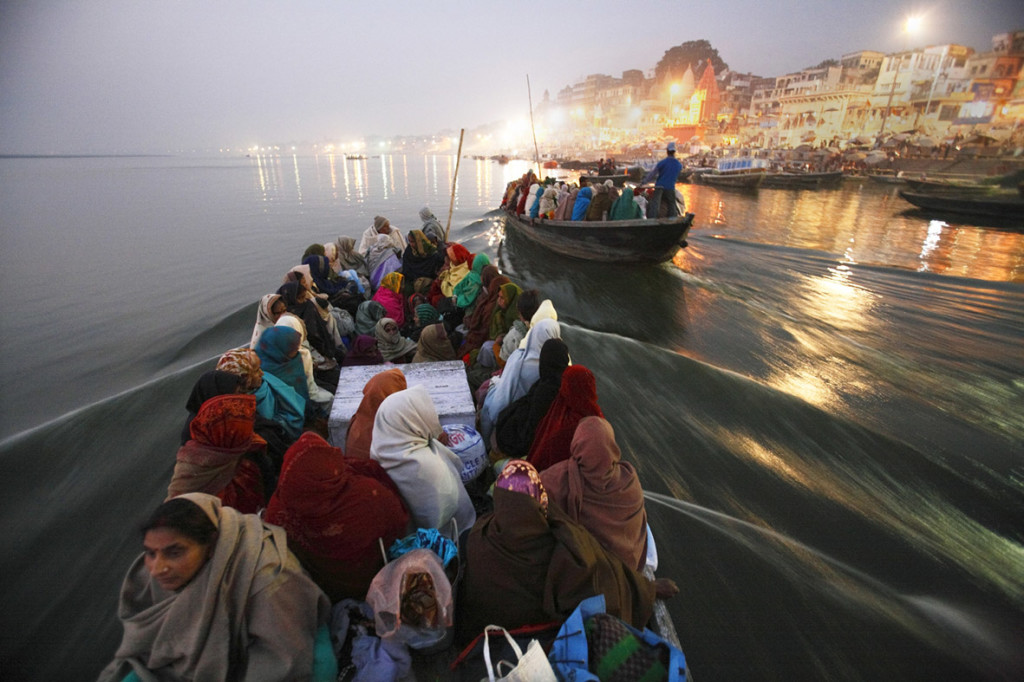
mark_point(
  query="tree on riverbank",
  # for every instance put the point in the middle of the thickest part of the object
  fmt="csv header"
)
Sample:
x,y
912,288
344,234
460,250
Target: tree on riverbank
x,y
692,53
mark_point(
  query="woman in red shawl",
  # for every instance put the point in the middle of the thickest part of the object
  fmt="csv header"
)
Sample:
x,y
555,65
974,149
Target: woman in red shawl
x,y
576,399
334,509
225,457
596,489
360,429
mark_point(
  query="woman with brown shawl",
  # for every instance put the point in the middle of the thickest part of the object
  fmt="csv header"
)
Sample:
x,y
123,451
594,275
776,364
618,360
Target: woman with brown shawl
x,y
216,596
528,563
434,345
596,489
225,457
577,398
506,311
360,429
334,509
478,322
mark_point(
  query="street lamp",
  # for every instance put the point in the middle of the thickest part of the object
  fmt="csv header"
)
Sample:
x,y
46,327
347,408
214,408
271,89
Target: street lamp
x,y
912,24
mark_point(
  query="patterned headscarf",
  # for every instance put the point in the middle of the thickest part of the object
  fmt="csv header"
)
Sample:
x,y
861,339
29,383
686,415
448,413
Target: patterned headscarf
x,y
226,421
245,363
392,281
420,245
521,477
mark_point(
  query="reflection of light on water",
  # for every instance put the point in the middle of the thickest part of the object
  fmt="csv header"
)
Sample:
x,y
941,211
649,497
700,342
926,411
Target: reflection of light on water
x,y
348,186
298,181
808,369
262,176
935,228
495,233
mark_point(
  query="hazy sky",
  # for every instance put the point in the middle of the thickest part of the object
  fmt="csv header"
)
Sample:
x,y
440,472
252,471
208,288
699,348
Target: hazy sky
x,y
85,76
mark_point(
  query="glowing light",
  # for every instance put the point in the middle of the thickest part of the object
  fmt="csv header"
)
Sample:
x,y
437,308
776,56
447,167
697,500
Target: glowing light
x,y
913,24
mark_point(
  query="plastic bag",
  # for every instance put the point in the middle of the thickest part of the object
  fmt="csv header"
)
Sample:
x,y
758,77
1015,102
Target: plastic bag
x,y
411,599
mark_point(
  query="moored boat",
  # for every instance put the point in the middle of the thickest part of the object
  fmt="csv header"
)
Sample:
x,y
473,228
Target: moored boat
x,y
947,186
751,179
607,241
787,180
1009,206
731,173
618,179
887,178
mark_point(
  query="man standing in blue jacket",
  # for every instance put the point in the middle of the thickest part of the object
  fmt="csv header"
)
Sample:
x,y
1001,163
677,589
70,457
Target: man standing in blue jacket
x,y
667,174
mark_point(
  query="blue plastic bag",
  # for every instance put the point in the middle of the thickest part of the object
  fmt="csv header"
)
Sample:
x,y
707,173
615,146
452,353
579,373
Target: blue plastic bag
x,y
569,654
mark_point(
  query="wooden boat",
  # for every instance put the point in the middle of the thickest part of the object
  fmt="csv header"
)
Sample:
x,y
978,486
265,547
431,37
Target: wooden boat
x,y
607,241
786,180
947,186
887,179
732,180
1008,206
618,179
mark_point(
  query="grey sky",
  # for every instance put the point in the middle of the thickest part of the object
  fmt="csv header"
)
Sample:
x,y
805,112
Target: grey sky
x,y
152,76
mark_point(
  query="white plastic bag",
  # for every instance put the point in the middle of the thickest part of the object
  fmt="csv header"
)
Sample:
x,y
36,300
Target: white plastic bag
x,y
533,666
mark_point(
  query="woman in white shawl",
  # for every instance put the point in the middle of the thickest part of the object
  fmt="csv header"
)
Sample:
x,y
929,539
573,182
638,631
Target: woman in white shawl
x,y
521,371
316,393
216,595
270,309
406,443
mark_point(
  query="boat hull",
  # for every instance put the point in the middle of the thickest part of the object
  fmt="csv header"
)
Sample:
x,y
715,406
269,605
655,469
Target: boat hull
x,y
1010,207
729,180
619,179
802,180
609,241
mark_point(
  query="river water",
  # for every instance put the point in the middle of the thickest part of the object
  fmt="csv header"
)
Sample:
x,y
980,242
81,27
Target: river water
x,y
823,394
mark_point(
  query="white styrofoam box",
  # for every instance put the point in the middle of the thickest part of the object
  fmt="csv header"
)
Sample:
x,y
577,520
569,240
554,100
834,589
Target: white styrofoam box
x,y
445,382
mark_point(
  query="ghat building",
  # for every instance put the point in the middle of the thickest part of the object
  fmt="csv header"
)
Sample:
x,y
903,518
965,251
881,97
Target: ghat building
x,y
937,90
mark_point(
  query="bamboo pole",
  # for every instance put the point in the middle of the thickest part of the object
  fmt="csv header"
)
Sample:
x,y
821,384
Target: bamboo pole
x,y
536,152
455,179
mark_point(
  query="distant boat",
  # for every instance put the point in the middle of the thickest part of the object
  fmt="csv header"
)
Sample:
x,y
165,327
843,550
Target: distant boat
x,y
732,173
355,157
887,178
787,180
744,179
1003,205
946,186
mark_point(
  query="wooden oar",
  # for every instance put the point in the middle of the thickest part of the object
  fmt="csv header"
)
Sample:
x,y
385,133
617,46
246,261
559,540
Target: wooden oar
x,y
455,179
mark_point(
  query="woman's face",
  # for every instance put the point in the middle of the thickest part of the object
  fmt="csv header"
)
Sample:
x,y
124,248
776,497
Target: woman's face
x,y
391,328
502,301
277,310
172,558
